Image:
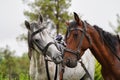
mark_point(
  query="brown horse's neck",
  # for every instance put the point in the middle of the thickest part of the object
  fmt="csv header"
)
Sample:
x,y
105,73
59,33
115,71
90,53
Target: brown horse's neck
x,y
99,49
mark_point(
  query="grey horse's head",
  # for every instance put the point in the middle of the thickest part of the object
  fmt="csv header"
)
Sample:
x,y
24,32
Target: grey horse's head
x,y
42,38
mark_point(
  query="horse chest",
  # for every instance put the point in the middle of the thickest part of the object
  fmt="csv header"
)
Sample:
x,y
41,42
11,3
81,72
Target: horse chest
x,y
73,73
78,72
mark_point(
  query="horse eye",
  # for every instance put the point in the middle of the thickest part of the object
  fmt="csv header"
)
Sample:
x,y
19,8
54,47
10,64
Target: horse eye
x,y
37,40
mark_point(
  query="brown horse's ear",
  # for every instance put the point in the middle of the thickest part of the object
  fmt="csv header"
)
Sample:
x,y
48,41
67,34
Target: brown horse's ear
x,y
27,24
77,19
67,23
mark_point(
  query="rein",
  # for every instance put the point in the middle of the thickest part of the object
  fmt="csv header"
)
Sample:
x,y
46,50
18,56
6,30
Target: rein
x,y
84,34
44,50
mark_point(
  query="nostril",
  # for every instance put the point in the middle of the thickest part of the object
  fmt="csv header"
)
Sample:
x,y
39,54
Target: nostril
x,y
54,59
68,61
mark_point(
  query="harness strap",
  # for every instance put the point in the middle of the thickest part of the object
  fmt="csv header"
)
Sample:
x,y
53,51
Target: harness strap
x,y
37,46
39,30
47,46
47,69
44,52
56,70
82,64
84,34
46,60
80,44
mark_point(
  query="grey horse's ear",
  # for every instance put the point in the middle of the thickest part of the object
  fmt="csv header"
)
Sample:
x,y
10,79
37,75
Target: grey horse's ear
x,y
27,24
77,19
40,19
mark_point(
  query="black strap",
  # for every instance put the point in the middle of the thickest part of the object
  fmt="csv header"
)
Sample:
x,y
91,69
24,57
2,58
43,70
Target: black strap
x,y
47,69
84,34
82,64
56,71
47,46
37,46
44,52
39,30
46,61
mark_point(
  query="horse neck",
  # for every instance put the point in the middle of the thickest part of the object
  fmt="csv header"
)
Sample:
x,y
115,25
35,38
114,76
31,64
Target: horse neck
x,y
99,49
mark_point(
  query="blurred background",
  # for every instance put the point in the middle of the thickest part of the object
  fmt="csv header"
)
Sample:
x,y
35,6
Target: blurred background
x,y
13,34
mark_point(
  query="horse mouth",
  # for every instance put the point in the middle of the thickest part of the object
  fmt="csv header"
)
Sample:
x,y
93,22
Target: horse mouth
x,y
58,60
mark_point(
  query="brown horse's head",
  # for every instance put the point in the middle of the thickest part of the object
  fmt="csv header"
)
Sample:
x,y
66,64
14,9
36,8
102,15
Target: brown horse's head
x,y
77,41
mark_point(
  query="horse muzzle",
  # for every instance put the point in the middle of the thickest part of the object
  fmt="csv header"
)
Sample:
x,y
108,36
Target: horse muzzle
x,y
70,62
58,59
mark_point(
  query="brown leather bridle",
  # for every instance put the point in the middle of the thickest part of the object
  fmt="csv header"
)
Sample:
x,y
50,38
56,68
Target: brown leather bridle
x,y
77,52
83,35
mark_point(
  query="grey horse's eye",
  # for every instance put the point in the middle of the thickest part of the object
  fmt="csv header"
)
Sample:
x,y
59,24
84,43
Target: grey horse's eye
x,y
37,40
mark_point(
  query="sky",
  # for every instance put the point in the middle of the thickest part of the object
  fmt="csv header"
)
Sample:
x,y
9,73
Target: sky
x,y
95,12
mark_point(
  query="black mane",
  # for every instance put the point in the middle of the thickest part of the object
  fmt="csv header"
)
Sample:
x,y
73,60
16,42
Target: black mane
x,y
109,39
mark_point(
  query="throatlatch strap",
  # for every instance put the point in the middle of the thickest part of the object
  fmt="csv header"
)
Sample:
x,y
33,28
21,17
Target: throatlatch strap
x,y
82,64
56,70
47,69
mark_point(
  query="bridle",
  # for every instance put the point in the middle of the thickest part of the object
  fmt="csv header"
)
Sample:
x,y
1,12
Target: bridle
x,y
83,35
44,50
77,52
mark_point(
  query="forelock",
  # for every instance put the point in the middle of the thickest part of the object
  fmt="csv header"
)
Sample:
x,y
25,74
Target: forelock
x,y
34,25
73,24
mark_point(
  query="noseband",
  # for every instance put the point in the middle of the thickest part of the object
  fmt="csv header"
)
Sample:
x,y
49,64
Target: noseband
x,y
84,34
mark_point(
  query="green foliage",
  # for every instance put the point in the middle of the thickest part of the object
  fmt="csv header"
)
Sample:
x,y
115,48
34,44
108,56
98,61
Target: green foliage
x,y
12,67
22,37
98,75
116,28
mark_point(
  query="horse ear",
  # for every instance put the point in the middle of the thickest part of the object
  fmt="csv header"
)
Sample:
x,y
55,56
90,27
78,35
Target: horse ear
x,y
27,24
40,19
67,23
77,19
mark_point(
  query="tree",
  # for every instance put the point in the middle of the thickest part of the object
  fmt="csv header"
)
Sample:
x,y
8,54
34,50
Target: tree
x,y
55,10
116,28
10,65
22,70
7,66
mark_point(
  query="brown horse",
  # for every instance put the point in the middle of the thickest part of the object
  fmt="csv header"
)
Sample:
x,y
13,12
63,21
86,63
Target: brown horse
x,y
104,46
